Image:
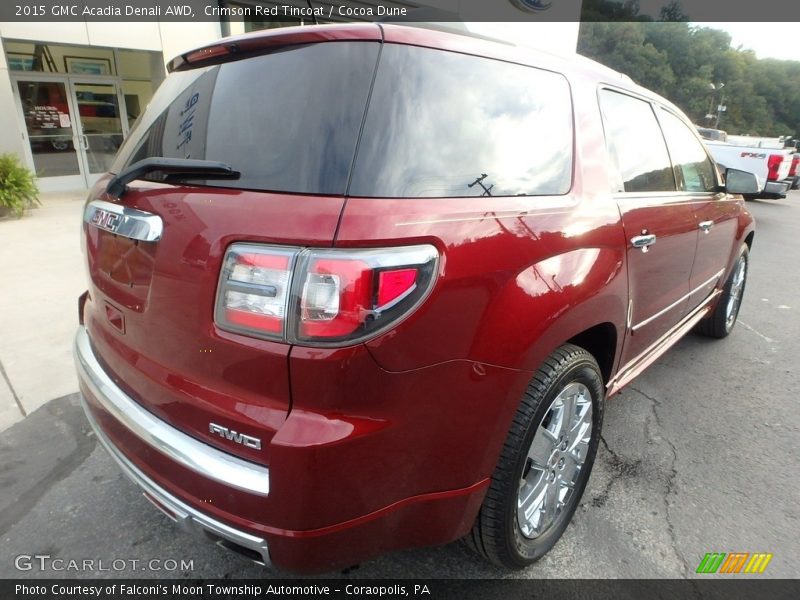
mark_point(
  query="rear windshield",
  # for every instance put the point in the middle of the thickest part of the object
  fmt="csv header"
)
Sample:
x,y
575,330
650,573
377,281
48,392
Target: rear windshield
x,y
439,124
442,124
287,120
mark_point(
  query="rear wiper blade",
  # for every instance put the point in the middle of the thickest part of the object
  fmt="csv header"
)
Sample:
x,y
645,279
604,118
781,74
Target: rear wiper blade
x,y
174,168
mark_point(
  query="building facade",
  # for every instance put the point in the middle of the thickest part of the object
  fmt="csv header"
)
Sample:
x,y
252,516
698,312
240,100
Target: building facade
x,y
70,92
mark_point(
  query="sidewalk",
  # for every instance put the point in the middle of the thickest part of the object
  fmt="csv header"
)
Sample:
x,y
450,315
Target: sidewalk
x,y
41,277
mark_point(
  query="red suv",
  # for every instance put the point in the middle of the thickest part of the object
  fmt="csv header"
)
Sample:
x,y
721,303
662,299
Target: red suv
x,y
357,288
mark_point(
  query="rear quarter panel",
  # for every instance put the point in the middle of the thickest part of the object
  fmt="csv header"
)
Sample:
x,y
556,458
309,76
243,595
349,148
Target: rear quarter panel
x,y
519,275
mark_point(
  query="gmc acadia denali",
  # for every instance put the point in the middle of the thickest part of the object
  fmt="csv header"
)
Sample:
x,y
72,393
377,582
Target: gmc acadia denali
x,y
356,288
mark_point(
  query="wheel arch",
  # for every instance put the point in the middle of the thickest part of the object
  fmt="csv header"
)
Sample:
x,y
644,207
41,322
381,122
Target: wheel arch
x,y
601,342
577,295
749,240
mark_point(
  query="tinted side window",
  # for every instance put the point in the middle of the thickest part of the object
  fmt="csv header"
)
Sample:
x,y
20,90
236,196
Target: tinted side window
x,y
693,168
288,120
636,144
442,124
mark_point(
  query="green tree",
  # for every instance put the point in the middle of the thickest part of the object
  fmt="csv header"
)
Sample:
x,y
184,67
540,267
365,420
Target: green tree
x,y
623,47
680,62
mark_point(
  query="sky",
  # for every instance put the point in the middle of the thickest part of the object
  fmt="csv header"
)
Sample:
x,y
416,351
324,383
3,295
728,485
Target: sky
x,y
768,40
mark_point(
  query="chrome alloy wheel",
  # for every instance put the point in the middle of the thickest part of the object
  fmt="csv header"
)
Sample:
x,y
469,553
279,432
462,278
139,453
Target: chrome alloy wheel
x,y
735,296
555,460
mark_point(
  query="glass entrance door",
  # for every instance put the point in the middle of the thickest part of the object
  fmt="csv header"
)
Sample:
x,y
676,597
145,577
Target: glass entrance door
x,y
50,126
74,127
100,125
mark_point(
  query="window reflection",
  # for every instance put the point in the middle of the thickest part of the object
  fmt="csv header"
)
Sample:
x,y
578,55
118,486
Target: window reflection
x,y
693,168
141,71
287,120
48,122
487,191
636,143
55,58
442,124
101,125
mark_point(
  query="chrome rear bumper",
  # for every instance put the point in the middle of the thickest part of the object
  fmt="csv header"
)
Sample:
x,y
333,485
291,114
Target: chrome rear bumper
x,y
176,445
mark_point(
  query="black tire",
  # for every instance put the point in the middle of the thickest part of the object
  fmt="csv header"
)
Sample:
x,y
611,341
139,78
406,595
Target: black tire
x,y
719,323
497,534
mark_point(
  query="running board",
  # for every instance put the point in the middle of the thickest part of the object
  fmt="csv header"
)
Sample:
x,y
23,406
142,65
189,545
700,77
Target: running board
x,y
635,367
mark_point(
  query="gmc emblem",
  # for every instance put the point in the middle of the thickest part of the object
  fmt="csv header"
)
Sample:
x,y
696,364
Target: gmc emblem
x,y
235,436
106,220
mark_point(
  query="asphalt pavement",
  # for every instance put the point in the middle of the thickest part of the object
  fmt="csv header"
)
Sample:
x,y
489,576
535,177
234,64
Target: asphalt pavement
x,y
700,454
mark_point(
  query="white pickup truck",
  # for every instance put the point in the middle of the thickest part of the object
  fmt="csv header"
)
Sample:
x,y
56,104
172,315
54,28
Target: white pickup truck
x,y
775,165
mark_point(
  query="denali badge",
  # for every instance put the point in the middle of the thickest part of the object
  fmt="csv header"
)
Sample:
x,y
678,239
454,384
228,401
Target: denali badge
x,y
234,436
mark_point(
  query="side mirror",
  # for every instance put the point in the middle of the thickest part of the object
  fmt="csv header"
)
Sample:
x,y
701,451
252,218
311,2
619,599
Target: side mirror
x,y
741,182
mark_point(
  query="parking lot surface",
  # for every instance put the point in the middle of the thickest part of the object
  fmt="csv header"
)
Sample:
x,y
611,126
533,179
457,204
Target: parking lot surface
x,y
700,454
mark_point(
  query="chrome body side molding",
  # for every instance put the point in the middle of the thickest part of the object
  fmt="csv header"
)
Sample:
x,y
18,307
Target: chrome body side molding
x,y
634,367
677,302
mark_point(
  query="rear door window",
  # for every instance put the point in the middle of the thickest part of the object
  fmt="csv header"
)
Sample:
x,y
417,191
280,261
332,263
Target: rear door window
x,y
636,144
443,124
693,167
287,120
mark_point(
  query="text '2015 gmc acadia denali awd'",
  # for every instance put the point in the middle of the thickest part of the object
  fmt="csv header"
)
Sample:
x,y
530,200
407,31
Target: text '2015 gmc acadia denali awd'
x,y
356,288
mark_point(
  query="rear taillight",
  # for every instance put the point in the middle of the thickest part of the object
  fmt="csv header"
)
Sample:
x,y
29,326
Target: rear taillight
x,y
254,290
774,165
321,297
793,168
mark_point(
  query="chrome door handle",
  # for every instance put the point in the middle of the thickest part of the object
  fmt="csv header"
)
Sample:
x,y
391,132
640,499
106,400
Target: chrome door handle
x,y
643,241
84,141
705,225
